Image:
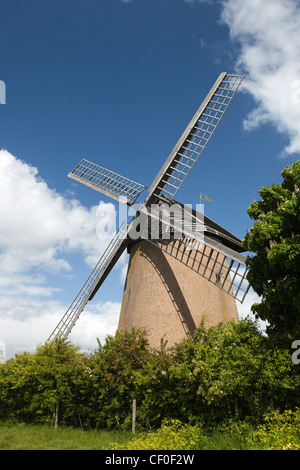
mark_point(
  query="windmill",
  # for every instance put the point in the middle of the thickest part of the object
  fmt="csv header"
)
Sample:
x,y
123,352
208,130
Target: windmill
x,y
182,264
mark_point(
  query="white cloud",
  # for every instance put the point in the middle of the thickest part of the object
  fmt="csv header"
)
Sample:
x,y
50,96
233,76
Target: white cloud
x,y
267,33
98,321
39,232
244,309
21,331
26,323
38,225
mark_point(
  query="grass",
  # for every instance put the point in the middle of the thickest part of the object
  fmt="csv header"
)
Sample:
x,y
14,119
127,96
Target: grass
x,y
280,432
19,436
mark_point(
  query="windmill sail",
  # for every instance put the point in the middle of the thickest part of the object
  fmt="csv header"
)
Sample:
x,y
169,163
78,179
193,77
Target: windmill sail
x,y
204,254
194,139
212,260
107,182
217,262
203,246
92,284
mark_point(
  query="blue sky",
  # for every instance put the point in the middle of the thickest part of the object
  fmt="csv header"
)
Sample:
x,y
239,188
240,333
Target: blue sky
x,y
117,82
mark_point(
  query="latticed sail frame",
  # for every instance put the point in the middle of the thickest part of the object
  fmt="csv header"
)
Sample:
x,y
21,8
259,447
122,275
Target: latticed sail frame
x,y
106,182
214,261
207,257
107,261
223,270
195,138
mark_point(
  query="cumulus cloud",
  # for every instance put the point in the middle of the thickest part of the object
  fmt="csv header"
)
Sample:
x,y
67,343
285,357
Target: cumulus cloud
x,y
98,321
267,34
25,334
38,225
40,230
244,309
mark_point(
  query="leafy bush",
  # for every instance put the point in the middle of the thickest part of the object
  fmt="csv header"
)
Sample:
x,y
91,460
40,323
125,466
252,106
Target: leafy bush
x,y
280,431
225,372
172,435
32,384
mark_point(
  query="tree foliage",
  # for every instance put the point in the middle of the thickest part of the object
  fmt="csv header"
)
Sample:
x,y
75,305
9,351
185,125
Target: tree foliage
x,y
229,371
32,384
274,270
224,372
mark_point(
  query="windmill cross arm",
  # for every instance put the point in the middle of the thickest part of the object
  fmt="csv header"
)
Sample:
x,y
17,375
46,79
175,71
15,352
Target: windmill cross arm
x,y
205,255
208,260
194,219
105,264
106,182
166,222
194,139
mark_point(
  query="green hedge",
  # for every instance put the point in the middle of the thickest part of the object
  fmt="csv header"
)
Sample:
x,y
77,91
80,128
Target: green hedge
x,y
226,372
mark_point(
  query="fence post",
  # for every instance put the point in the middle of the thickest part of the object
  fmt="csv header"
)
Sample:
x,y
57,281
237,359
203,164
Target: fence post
x,y
133,415
56,414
